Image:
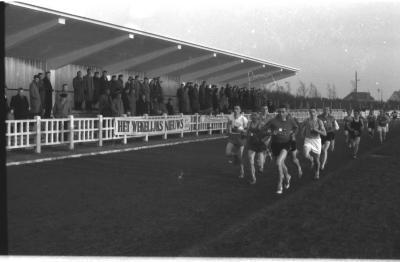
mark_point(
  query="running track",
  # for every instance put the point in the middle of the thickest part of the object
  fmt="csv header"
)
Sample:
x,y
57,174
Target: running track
x,y
136,203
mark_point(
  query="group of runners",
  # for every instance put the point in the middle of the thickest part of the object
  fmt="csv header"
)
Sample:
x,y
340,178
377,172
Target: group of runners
x,y
274,137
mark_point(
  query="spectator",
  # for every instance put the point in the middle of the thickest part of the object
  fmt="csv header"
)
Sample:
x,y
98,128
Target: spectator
x,y
104,83
169,107
202,95
120,83
132,97
208,100
141,105
158,108
88,86
34,97
62,107
105,103
186,100
48,100
145,90
215,100
179,95
42,92
19,105
114,85
79,90
97,87
117,107
7,108
194,98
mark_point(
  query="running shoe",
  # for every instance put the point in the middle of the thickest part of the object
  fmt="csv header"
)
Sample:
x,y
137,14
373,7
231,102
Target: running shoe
x,y
279,191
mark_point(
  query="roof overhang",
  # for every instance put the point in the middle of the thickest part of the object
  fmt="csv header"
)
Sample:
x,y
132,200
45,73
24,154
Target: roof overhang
x,y
59,39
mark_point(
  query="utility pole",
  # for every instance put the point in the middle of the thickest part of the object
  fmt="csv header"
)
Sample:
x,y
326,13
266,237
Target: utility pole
x,y
356,81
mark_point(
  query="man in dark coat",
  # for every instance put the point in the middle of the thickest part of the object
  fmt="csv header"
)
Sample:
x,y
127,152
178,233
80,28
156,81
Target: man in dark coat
x,y
104,83
141,105
202,95
169,107
97,87
114,84
19,105
48,100
105,104
89,89
42,92
34,97
79,90
179,95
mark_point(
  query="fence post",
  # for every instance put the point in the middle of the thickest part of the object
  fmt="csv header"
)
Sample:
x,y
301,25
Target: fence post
x,y
124,140
222,123
71,132
38,135
197,124
165,126
146,137
182,129
100,129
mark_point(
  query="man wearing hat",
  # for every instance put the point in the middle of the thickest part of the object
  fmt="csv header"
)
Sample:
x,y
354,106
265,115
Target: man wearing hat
x,y
34,97
48,100
19,105
88,85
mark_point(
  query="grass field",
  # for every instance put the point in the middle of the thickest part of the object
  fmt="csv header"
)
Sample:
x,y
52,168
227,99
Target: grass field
x,y
135,204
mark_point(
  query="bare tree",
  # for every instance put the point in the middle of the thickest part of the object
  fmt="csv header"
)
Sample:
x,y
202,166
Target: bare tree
x,y
302,90
313,91
334,95
288,87
329,91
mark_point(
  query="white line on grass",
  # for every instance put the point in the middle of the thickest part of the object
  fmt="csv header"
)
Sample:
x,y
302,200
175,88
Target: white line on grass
x,y
17,163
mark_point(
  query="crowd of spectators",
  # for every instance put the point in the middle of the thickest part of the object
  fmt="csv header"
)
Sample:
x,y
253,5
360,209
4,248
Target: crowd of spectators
x,y
207,99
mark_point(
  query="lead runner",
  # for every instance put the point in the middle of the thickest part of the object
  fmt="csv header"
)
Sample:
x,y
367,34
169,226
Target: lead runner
x,y
282,129
237,125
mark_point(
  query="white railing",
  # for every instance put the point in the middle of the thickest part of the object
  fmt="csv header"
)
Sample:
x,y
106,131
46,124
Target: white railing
x,y
35,133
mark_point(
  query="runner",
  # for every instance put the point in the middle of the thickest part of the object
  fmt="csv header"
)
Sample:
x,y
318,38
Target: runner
x,y
355,127
382,120
347,119
312,129
371,123
328,140
265,117
293,148
281,129
393,119
237,125
255,145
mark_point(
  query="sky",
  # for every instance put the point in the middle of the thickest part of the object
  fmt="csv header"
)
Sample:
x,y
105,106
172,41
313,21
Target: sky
x,y
327,40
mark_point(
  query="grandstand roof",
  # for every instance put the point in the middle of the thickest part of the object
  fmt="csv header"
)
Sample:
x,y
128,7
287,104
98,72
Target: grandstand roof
x,y
59,39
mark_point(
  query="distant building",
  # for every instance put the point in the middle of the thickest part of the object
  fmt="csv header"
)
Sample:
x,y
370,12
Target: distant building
x,y
395,96
359,96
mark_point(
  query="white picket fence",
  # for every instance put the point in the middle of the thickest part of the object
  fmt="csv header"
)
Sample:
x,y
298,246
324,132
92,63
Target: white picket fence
x,y
35,133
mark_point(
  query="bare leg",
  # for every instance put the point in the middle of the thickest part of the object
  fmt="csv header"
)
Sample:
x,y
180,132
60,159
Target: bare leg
x,y
279,162
250,155
240,158
324,154
356,145
332,145
260,161
306,152
317,165
296,161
